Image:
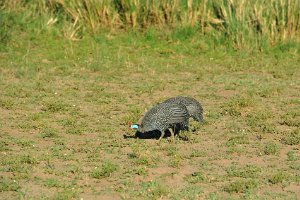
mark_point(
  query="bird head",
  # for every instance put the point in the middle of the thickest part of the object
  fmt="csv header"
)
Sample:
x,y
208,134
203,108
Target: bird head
x,y
135,126
198,117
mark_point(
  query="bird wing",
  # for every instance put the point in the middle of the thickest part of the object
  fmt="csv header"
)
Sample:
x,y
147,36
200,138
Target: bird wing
x,y
178,115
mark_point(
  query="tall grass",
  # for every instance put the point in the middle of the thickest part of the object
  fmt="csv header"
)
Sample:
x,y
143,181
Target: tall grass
x,y
246,20
240,22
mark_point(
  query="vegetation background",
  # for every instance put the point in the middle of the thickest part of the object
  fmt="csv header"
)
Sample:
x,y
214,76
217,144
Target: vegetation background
x,y
74,74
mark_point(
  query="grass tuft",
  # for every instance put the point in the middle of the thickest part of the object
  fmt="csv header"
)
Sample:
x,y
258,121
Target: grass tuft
x,y
9,185
235,105
49,132
105,170
292,138
55,106
196,177
271,148
278,177
189,193
153,190
241,186
241,139
248,171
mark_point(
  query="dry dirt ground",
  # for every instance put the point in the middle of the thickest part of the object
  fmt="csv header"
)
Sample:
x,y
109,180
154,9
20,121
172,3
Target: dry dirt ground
x,y
66,109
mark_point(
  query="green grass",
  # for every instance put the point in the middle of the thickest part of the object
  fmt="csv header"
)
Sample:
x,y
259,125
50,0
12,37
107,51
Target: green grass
x,y
189,192
9,185
106,170
153,190
248,171
271,148
196,177
241,186
235,25
292,138
65,106
49,133
278,177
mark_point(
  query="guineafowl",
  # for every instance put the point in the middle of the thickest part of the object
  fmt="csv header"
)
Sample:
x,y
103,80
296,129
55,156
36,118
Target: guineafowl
x,y
164,116
193,106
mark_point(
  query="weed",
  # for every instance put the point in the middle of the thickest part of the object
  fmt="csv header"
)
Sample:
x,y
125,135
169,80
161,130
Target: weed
x,y
291,138
25,143
7,103
271,148
248,171
189,192
196,177
184,33
72,126
175,161
49,132
268,91
258,122
74,130
143,160
55,106
51,182
172,151
68,122
292,156
197,153
236,104
241,186
21,163
291,118
105,170
213,116
6,22
67,194
135,114
132,155
28,159
213,196
4,146
295,166
242,139
9,185
142,171
278,177
186,135
143,156
153,190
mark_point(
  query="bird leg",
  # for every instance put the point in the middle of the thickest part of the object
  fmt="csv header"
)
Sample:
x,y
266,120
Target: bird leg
x,y
172,134
161,136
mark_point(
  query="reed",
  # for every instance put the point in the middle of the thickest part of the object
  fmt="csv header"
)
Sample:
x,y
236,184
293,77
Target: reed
x,y
240,22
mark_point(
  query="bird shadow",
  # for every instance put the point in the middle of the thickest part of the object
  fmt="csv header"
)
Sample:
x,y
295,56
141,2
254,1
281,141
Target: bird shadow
x,y
153,135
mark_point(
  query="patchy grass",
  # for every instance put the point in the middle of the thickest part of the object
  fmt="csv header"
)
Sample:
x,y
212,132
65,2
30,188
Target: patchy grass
x,y
49,133
271,148
66,106
196,177
278,177
241,186
106,170
9,185
248,171
292,138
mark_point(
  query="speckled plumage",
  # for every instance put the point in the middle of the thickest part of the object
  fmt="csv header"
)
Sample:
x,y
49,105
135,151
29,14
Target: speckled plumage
x,y
165,116
193,106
